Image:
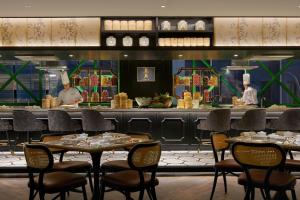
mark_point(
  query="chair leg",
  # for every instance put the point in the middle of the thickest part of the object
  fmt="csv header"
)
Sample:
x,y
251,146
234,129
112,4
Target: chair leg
x,y
127,194
28,137
90,180
102,190
293,194
63,196
141,196
149,193
42,195
268,194
31,194
84,192
224,180
252,193
153,193
214,184
263,194
248,191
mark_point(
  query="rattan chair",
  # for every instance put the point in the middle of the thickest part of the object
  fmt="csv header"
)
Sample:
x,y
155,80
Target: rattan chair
x,y
143,160
69,166
40,160
119,165
263,164
222,166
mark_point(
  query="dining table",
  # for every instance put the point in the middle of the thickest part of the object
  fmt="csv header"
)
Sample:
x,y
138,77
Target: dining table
x,y
289,141
95,146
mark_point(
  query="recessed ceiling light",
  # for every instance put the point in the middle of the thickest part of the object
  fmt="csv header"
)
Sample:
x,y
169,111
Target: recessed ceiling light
x,y
125,55
180,55
236,55
71,55
298,6
27,6
162,6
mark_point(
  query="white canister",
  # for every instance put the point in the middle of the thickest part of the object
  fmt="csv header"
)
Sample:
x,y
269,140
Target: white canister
x,y
165,26
108,25
140,25
195,103
148,25
161,42
132,25
124,25
200,25
144,41
116,25
182,25
111,41
180,42
127,41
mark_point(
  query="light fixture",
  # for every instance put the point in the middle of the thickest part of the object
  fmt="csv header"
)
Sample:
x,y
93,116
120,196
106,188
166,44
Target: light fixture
x,y
236,55
162,6
240,68
125,55
180,55
27,6
37,57
271,57
298,6
71,55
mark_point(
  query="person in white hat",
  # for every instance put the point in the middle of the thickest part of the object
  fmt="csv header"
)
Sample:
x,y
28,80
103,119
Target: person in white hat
x,y
69,95
250,94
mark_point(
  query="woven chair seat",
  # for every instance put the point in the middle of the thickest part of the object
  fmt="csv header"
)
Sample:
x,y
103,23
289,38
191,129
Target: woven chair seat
x,y
278,180
127,180
72,166
115,166
55,181
228,165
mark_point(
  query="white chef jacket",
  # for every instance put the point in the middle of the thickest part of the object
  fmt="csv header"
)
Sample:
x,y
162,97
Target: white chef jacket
x,y
249,96
69,96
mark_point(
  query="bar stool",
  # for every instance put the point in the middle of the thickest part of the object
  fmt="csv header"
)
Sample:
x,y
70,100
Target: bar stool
x,y
252,120
289,120
5,126
26,121
60,121
94,122
218,120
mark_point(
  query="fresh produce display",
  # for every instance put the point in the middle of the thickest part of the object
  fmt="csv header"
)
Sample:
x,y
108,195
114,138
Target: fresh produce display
x,y
160,101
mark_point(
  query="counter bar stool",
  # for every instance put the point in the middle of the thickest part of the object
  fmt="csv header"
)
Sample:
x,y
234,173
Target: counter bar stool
x,y
5,126
252,120
60,121
26,121
218,120
289,120
94,122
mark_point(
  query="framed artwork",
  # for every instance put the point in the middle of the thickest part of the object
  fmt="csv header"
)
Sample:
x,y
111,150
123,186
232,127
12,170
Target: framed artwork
x,y
145,74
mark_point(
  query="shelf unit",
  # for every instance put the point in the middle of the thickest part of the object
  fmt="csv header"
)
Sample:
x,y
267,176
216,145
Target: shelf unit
x,y
96,85
184,81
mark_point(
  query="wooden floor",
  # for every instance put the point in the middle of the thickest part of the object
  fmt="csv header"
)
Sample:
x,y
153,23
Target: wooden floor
x,y
170,188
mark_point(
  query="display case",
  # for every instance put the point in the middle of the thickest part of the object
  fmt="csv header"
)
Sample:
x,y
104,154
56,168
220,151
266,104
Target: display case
x,y
96,85
185,32
201,83
128,32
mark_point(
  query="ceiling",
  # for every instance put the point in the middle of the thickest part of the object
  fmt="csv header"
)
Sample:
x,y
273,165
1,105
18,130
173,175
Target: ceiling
x,y
44,8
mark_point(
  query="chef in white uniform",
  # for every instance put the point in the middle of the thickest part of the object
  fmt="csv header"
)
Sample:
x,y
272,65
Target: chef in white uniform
x,y
69,95
250,94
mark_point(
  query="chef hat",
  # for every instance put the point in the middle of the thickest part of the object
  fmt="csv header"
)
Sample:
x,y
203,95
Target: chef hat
x,y
64,78
246,79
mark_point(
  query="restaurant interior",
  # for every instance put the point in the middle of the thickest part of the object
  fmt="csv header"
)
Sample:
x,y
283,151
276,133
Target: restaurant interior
x,y
150,100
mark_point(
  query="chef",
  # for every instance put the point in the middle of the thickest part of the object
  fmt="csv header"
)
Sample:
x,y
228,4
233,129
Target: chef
x,y
69,95
250,94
